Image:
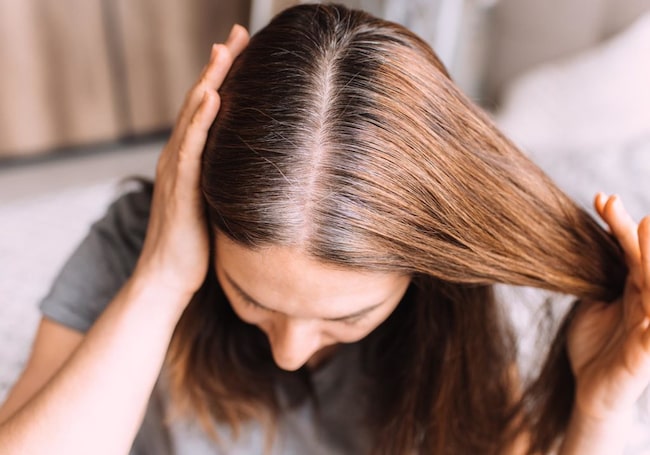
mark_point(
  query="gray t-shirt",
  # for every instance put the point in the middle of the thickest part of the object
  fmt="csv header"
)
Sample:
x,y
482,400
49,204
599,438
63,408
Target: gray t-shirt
x,y
97,270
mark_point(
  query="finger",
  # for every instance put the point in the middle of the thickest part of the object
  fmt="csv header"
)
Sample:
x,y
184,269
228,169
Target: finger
x,y
237,40
234,45
222,56
211,79
623,227
644,247
221,59
645,326
599,203
191,148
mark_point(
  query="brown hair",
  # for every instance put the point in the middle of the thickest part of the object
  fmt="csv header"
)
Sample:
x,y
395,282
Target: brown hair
x,y
342,134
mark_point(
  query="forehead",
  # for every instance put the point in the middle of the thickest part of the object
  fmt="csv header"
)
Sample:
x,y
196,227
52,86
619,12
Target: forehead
x,y
288,279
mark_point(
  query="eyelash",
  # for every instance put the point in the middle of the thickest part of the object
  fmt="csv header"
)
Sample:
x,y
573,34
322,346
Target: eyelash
x,y
251,303
351,321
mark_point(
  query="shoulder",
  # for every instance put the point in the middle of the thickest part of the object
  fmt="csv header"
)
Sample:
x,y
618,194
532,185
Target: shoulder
x,y
128,215
118,236
101,263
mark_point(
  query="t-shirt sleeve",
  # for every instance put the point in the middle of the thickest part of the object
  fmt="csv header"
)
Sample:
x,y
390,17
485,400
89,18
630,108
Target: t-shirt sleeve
x,y
100,265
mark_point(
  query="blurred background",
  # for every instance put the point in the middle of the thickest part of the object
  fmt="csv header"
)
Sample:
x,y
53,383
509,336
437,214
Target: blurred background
x,y
89,90
86,72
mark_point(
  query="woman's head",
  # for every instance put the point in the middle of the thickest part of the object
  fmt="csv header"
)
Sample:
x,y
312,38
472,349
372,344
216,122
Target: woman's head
x,y
341,135
344,164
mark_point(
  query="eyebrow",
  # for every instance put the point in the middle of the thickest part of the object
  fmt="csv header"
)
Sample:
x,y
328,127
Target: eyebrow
x,y
246,296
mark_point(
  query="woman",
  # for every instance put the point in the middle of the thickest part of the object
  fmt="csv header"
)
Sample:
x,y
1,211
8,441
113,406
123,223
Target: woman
x,y
323,266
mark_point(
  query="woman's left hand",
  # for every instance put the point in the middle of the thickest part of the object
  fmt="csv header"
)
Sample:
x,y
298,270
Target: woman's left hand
x,y
609,343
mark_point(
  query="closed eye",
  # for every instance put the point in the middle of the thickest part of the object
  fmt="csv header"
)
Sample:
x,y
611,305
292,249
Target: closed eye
x,y
252,303
352,320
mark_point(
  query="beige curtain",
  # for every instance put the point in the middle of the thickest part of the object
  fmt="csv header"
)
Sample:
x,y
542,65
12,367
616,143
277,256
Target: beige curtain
x,y
87,71
55,84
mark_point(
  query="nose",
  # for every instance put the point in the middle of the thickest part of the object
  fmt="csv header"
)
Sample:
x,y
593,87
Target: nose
x,y
294,342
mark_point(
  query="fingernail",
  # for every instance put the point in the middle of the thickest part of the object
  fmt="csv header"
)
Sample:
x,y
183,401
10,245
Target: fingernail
x,y
213,52
231,35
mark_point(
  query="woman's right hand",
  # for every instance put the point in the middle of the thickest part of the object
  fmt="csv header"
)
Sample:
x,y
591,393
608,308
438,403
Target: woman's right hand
x,y
176,249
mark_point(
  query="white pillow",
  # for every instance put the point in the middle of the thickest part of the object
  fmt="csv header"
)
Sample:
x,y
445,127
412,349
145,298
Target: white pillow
x,y
598,98
38,234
